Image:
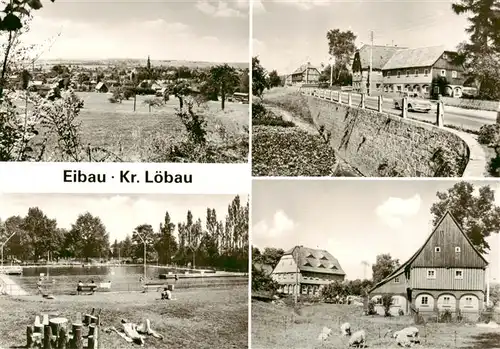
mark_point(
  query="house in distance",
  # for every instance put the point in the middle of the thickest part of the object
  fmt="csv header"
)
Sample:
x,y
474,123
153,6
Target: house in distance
x,y
446,273
307,270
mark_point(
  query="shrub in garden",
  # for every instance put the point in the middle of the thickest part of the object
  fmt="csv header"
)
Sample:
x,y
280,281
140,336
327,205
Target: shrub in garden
x,y
446,316
489,135
371,308
387,303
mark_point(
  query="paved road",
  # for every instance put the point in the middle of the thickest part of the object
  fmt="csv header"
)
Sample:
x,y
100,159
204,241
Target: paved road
x,y
472,120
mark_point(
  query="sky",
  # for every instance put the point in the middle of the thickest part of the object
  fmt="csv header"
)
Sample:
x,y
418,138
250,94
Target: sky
x,y
120,214
213,31
354,220
289,33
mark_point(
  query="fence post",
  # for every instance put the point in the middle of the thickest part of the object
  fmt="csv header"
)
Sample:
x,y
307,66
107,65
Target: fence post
x,y
440,114
363,99
47,337
404,107
380,104
349,99
340,96
29,337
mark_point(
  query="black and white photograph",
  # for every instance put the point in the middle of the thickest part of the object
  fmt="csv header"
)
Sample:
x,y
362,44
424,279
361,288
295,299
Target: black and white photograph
x,y
375,264
375,88
124,81
124,271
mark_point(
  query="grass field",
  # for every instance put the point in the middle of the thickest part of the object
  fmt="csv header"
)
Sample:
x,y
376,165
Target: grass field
x,y
281,327
144,136
198,319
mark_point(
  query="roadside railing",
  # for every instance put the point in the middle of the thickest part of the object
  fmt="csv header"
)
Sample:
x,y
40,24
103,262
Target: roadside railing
x,y
376,103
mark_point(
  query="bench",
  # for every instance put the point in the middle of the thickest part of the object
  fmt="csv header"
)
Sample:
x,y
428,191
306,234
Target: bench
x,y
158,286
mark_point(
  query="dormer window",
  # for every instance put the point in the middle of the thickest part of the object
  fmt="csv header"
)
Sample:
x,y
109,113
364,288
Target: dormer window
x,y
457,249
459,274
437,249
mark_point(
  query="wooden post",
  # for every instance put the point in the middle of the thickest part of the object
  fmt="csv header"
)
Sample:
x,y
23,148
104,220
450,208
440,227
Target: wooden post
x,y
363,100
404,107
56,324
340,96
77,341
92,337
349,99
29,337
47,337
331,95
62,340
440,114
380,104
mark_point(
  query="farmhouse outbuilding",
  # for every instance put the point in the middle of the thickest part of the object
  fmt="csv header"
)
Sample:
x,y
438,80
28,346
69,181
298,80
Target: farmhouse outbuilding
x,y
307,270
446,273
305,74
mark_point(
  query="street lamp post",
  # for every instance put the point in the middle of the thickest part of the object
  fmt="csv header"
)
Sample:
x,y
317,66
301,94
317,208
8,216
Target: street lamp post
x,y
3,245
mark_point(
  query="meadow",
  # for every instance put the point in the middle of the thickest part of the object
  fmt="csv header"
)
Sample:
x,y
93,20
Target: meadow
x,y
148,136
284,327
196,318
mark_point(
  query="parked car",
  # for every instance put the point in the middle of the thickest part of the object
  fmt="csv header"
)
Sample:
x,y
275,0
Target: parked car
x,y
415,102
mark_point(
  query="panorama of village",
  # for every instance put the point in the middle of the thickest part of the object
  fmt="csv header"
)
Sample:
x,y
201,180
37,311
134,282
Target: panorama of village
x,y
406,89
154,271
81,85
414,264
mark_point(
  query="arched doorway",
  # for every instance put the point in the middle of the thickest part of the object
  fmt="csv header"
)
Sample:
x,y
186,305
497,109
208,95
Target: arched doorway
x,y
424,302
447,302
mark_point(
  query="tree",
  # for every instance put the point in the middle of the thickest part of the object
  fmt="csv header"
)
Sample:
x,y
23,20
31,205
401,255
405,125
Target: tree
x,y
226,79
477,215
481,54
341,46
383,266
166,242
144,234
259,81
153,103
127,248
495,295
274,79
244,86
180,89
115,249
18,245
88,237
41,232
270,256
263,282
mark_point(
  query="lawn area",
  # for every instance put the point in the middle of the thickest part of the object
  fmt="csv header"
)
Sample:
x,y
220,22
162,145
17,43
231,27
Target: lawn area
x,y
146,136
202,318
281,327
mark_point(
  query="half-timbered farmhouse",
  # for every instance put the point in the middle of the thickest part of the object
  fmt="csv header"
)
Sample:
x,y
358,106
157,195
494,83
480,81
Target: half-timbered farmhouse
x,y
307,270
446,273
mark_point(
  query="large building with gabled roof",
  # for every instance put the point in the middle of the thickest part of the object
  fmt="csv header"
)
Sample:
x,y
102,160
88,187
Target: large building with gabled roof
x,y
306,269
305,74
446,273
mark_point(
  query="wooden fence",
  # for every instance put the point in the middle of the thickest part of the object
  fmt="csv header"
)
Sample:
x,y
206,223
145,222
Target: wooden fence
x,y
59,333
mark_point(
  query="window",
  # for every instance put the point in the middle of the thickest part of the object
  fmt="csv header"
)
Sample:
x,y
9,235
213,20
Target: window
x,y
454,74
443,72
437,249
457,249
399,88
431,274
407,73
468,301
426,72
395,301
446,300
416,72
396,280
388,73
459,274
425,300
399,74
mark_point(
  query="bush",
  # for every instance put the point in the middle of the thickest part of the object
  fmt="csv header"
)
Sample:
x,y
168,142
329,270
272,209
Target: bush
x,y
489,135
401,312
263,282
446,316
371,308
280,151
387,303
